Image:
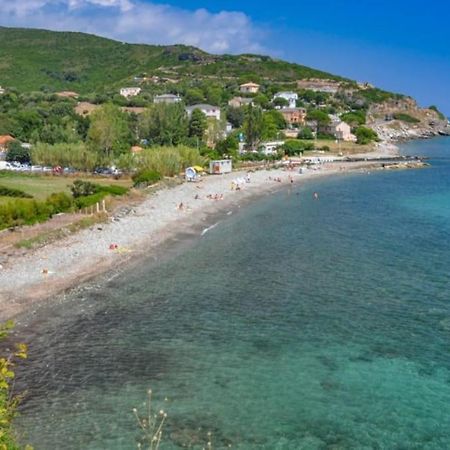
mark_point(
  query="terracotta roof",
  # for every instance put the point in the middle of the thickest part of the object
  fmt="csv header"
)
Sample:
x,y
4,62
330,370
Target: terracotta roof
x,y
5,139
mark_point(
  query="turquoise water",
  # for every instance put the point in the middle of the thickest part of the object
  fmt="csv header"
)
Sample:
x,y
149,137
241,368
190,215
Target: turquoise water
x,y
293,324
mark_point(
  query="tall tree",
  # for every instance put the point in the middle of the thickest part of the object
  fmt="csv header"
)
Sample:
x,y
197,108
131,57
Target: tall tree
x,y
109,132
253,127
164,124
197,124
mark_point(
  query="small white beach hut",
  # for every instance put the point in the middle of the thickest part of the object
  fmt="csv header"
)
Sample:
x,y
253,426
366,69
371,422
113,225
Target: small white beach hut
x,y
220,166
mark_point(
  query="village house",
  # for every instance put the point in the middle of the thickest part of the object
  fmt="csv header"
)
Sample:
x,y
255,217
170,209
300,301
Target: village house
x,y
319,85
208,110
167,98
269,148
4,141
294,116
130,91
239,102
340,130
2,91
249,88
290,97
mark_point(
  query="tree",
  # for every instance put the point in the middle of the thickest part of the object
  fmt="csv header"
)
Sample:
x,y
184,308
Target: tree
x,y
18,153
280,102
164,124
109,132
365,135
305,133
228,146
235,116
277,118
354,118
293,147
262,100
321,117
194,96
197,124
253,126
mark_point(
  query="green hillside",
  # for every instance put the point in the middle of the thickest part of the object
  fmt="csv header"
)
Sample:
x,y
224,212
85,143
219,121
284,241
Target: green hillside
x,y
38,59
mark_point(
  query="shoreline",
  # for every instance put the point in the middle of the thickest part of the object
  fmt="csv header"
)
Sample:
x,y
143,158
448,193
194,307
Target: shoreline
x,y
87,254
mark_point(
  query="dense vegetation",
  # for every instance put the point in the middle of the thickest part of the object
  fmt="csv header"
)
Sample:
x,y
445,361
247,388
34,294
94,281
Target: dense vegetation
x,y
26,211
47,60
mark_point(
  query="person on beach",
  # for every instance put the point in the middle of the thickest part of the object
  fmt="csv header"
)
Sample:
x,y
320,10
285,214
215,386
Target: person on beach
x,y
180,206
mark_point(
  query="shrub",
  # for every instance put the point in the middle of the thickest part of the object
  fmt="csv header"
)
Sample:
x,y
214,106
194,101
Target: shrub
x,y
435,109
365,135
10,192
89,200
82,188
113,190
354,118
146,177
8,401
294,147
17,153
59,202
169,161
405,118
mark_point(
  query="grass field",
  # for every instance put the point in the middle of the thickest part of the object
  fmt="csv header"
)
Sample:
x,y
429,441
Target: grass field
x,y
344,147
41,186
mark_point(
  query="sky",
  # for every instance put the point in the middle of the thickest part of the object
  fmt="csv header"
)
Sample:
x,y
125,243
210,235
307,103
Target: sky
x,y
398,45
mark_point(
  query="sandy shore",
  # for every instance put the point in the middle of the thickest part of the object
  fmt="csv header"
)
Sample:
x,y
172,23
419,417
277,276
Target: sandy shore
x,y
84,255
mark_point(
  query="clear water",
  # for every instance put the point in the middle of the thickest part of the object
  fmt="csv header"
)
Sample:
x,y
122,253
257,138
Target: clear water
x,y
293,324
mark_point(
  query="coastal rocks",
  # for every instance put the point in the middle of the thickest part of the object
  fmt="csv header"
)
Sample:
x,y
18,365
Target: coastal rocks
x,y
406,165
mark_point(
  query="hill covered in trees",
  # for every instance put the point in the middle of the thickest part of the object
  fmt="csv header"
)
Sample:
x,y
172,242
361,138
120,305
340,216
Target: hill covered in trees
x,y
33,59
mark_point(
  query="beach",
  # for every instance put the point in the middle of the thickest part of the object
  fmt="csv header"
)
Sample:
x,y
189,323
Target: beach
x,y
44,273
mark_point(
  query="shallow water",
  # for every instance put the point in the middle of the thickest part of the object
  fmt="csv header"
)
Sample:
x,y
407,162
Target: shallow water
x,y
294,323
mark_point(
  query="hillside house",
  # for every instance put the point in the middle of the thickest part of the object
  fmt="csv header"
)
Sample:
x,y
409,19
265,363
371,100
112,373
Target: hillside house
x,y
167,98
130,91
294,116
4,141
291,97
249,88
239,102
340,130
211,112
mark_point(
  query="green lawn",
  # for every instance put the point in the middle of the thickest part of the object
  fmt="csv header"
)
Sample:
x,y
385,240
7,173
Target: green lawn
x,y
41,186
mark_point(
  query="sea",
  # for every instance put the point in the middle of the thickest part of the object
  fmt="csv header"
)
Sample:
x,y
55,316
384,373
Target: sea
x,y
294,323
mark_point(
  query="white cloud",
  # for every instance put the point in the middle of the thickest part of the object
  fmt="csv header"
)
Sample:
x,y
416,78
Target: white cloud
x,y
139,22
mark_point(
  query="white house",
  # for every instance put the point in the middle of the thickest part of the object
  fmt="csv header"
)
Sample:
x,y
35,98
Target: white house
x,y
269,148
167,98
208,110
249,88
291,97
130,91
2,91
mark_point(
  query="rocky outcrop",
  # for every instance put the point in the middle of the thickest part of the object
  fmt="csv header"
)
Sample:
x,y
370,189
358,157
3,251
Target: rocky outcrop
x,y
400,120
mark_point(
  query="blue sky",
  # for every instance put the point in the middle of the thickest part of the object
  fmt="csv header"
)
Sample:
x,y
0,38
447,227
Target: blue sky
x,y
398,45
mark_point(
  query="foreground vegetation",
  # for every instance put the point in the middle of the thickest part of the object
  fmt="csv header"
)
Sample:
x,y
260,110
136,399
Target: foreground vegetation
x,y
8,400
